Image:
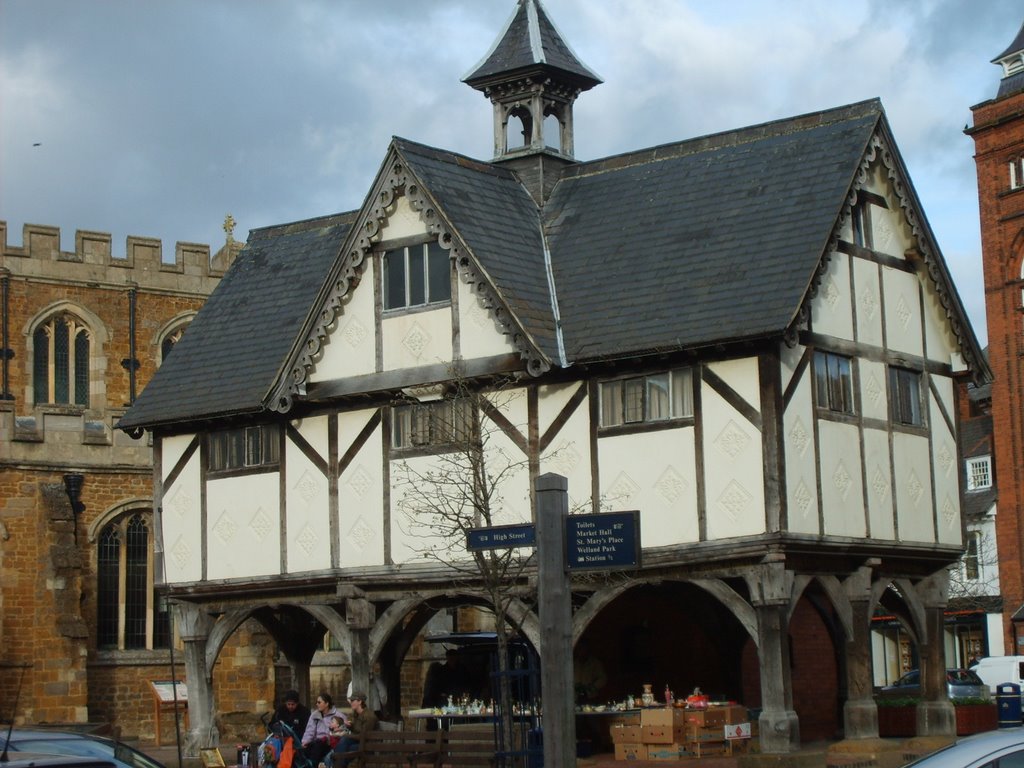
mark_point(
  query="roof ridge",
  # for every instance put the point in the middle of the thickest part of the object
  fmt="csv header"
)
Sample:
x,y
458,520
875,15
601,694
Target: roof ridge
x,y
465,161
342,217
733,137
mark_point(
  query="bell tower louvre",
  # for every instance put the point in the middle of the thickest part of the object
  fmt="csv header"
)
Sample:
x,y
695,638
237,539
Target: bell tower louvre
x,y
998,133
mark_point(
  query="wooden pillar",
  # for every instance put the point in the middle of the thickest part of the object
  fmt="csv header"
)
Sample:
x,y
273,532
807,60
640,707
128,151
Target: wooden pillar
x,y
360,615
771,586
555,612
194,629
860,712
936,715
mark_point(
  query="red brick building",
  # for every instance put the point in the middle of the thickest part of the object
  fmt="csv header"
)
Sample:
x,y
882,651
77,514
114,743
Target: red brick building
x,y
998,133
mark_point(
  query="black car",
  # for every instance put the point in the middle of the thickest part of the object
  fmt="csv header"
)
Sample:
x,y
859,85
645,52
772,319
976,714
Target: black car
x,y
42,742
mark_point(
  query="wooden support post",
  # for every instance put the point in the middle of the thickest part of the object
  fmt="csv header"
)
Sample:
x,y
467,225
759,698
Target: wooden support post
x,y
555,613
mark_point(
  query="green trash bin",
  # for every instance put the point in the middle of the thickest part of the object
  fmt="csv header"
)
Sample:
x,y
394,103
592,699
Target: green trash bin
x,y
1008,703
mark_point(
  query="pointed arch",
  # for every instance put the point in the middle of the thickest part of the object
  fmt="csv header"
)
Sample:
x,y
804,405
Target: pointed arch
x,y
64,351
169,334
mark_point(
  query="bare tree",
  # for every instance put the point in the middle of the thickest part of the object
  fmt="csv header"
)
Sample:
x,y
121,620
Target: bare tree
x,y
464,472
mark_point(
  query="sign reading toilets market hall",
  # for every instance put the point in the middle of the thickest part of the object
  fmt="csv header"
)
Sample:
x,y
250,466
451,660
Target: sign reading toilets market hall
x,y
603,541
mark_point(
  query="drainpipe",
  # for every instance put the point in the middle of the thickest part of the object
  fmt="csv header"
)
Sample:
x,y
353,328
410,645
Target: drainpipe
x,y
6,353
131,363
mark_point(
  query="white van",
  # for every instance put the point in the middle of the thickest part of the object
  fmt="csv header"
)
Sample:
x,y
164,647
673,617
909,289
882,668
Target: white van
x,y
995,670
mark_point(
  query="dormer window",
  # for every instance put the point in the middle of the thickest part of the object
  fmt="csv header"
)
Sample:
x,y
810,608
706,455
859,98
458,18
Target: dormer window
x,y
979,473
247,449
416,275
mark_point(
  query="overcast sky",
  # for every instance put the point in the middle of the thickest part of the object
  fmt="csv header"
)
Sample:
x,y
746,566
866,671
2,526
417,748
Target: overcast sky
x,y
157,118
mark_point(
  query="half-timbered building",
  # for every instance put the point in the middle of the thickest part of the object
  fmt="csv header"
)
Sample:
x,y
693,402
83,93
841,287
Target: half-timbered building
x,y
750,337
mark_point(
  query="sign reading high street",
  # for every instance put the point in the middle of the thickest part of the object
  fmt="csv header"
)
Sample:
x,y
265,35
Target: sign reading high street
x,y
603,541
501,537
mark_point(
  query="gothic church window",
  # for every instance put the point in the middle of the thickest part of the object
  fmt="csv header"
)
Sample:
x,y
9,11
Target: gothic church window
x,y
169,341
60,368
128,614
416,275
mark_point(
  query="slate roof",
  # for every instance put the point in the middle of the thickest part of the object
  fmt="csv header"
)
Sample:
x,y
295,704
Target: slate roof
x,y
1014,82
715,238
708,241
528,43
231,354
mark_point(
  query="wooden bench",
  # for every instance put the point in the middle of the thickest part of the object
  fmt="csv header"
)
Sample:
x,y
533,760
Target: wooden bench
x,y
403,749
465,747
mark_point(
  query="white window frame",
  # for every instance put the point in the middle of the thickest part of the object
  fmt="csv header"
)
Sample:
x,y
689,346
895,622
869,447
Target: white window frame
x,y
1016,166
979,473
435,260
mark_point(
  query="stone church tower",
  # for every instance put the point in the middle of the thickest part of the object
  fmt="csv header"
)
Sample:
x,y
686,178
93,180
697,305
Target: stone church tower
x,y
998,134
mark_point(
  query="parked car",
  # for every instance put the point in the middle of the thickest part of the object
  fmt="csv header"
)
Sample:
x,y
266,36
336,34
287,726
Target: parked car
x,y
42,741
32,760
960,683
1004,748
996,670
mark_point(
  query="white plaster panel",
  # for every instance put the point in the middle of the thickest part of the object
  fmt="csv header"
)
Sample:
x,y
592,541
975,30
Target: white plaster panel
x,y
742,376
314,432
417,532
655,473
402,221
831,308
243,524
801,480
509,469
479,335
842,497
868,297
552,399
913,488
569,454
878,474
350,346
874,387
790,358
413,339
307,514
902,311
733,467
182,509
172,449
942,344
946,468
513,404
888,230
361,493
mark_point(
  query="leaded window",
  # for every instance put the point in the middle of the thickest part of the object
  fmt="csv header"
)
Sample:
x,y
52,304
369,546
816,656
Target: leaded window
x,y
432,425
905,397
833,382
60,368
128,614
244,448
652,398
416,275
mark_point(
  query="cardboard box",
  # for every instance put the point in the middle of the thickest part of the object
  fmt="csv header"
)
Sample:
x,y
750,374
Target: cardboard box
x,y
665,717
737,731
663,751
736,713
626,734
630,752
657,734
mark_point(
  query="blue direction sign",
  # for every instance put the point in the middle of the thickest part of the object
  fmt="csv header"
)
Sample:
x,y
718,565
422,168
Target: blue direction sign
x,y
501,537
605,541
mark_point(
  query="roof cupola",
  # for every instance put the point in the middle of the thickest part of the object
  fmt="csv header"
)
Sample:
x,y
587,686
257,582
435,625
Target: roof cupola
x,y
1012,62
532,78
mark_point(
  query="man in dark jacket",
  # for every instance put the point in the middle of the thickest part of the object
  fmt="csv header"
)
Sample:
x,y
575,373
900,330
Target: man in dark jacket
x,y
293,714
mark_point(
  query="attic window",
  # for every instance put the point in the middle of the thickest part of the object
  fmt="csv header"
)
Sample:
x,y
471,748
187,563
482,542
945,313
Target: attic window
x,y
416,275
979,473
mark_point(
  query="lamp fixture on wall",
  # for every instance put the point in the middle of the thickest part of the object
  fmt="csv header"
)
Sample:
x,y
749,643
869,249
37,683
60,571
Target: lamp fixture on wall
x,y
73,488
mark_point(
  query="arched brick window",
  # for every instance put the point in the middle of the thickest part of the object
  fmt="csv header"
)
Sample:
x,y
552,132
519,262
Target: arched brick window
x,y
128,615
60,369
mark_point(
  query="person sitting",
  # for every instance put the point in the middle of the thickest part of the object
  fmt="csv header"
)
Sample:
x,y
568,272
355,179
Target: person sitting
x,y
292,713
363,721
316,737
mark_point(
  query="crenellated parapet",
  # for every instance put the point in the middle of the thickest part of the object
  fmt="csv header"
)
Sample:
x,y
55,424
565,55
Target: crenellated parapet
x,y
93,260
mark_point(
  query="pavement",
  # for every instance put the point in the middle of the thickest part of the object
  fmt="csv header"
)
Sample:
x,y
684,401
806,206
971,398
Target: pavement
x,y
861,753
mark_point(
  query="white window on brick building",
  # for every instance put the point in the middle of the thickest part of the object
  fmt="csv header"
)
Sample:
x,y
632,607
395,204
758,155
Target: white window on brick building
x,y
1017,172
979,473
128,614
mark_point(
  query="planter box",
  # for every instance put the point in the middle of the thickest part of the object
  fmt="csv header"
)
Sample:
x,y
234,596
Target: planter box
x,y
970,718
975,718
897,721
